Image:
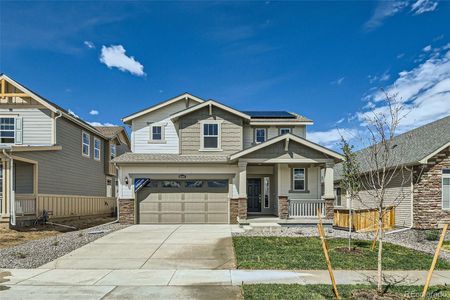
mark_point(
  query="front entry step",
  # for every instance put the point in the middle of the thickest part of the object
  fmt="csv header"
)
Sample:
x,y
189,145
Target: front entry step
x,y
263,227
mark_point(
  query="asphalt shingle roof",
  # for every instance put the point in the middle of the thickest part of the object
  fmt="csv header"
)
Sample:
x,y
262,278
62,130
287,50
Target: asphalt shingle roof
x,y
109,131
411,146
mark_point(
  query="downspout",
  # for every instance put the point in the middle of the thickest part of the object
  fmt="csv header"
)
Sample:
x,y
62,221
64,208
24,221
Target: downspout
x,y
12,193
412,205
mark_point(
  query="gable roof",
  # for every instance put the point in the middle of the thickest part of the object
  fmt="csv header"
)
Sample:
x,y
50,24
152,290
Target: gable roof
x,y
413,147
288,136
113,131
160,105
210,103
51,105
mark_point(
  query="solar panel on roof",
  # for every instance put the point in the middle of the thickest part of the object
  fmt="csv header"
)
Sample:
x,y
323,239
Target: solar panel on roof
x,y
270,114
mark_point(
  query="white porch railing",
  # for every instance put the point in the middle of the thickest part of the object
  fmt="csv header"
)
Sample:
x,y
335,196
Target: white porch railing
x,y
305,208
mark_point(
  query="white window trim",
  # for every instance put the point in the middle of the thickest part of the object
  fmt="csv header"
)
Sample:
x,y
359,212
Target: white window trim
x,y
219,135
282,128
82,144
163,134
99,149
14,130
111,146
442,189
304,180
254,134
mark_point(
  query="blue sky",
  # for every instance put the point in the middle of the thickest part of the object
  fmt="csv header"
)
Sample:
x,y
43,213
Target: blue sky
x,y
324,60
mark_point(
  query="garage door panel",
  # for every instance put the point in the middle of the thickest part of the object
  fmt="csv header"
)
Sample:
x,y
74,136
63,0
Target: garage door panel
x,y
195,207
170,197
148,218
217,218
194,218
216,196
148,206
194,197
171,206
171,218
217,207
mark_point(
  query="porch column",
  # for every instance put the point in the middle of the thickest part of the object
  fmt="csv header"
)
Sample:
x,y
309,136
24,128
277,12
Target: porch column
x,y
242,206
4,207
329,190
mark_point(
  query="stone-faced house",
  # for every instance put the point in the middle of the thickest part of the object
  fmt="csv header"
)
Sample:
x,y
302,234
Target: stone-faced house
x,y
423,186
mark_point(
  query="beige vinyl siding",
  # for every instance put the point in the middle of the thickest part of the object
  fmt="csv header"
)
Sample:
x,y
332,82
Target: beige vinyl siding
x,y
190,131
272,131
67,172
140,130
36,125
400,189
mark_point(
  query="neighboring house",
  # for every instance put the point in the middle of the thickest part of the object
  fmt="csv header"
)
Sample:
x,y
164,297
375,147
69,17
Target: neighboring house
x,y
52,160
424,183
197,161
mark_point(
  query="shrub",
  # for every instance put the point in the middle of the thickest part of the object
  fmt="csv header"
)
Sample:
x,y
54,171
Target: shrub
x,y
432,235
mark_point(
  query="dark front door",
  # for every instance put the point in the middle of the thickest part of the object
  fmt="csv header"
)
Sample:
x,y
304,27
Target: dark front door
x,y
254,195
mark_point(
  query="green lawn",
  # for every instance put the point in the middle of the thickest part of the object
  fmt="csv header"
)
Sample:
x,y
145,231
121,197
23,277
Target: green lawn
x,y
320,292
304,253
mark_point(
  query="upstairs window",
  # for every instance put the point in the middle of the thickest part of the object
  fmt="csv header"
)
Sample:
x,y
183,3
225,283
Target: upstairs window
x,y
298,179
285,130
86,143
446,189
97,145
260,135
156,133
7,130
112,151
211,136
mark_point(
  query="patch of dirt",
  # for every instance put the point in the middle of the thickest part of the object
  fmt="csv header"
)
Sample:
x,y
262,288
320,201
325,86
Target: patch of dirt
x,y
12,237
345,250
373,295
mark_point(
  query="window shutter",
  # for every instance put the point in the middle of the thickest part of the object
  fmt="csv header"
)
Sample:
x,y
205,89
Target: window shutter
x,y
18,129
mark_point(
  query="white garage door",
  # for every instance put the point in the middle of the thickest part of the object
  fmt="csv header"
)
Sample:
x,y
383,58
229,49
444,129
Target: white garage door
x,y
183,201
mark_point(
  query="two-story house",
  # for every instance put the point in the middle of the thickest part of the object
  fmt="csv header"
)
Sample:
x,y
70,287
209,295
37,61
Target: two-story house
x,y
51,160
197,161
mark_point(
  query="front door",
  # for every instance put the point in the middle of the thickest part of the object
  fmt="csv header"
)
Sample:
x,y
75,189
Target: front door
x,y
254,195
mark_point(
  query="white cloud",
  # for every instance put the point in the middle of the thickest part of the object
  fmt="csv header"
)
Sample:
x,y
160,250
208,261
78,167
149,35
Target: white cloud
x,y
383,77
384,10
338,81
331,138
93,112
72,113
115,57
423,6
424,90
101,124
427,48
400,55
89,44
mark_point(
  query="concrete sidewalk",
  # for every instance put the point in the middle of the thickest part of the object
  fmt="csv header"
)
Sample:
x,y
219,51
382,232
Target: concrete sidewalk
x,y
172,284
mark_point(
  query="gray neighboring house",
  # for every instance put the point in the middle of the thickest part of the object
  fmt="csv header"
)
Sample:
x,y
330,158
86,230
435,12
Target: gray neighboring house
x,y
200,161
52,160
425,152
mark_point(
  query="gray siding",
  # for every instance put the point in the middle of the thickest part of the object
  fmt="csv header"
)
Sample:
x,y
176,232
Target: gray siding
x,y
67,172
23,177
231,131
36,125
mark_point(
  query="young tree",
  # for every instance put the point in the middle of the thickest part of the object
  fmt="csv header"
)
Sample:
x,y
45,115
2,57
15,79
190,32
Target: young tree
x,y
378,166
350,182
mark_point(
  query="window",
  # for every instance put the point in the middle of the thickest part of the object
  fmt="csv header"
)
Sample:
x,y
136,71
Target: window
x,y
260,135
338,200
211,136
446,189
157,133
285,130
86,140
217,183
266,192
171,184
113,152
97,145
194,183
298,179
7,130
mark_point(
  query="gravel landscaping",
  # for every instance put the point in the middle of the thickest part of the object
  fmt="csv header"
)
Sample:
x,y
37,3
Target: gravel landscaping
x,y
414,239
38,252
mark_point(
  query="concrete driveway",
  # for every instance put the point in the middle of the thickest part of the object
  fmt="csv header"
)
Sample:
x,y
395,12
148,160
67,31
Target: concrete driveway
x,y
158,247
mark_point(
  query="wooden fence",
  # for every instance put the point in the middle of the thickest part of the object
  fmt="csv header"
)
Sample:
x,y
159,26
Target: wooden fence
x,y
64,206
363,219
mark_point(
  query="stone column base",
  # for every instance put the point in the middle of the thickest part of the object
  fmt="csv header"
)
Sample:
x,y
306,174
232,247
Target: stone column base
x,y
238,210
329,208
126,211
283,207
